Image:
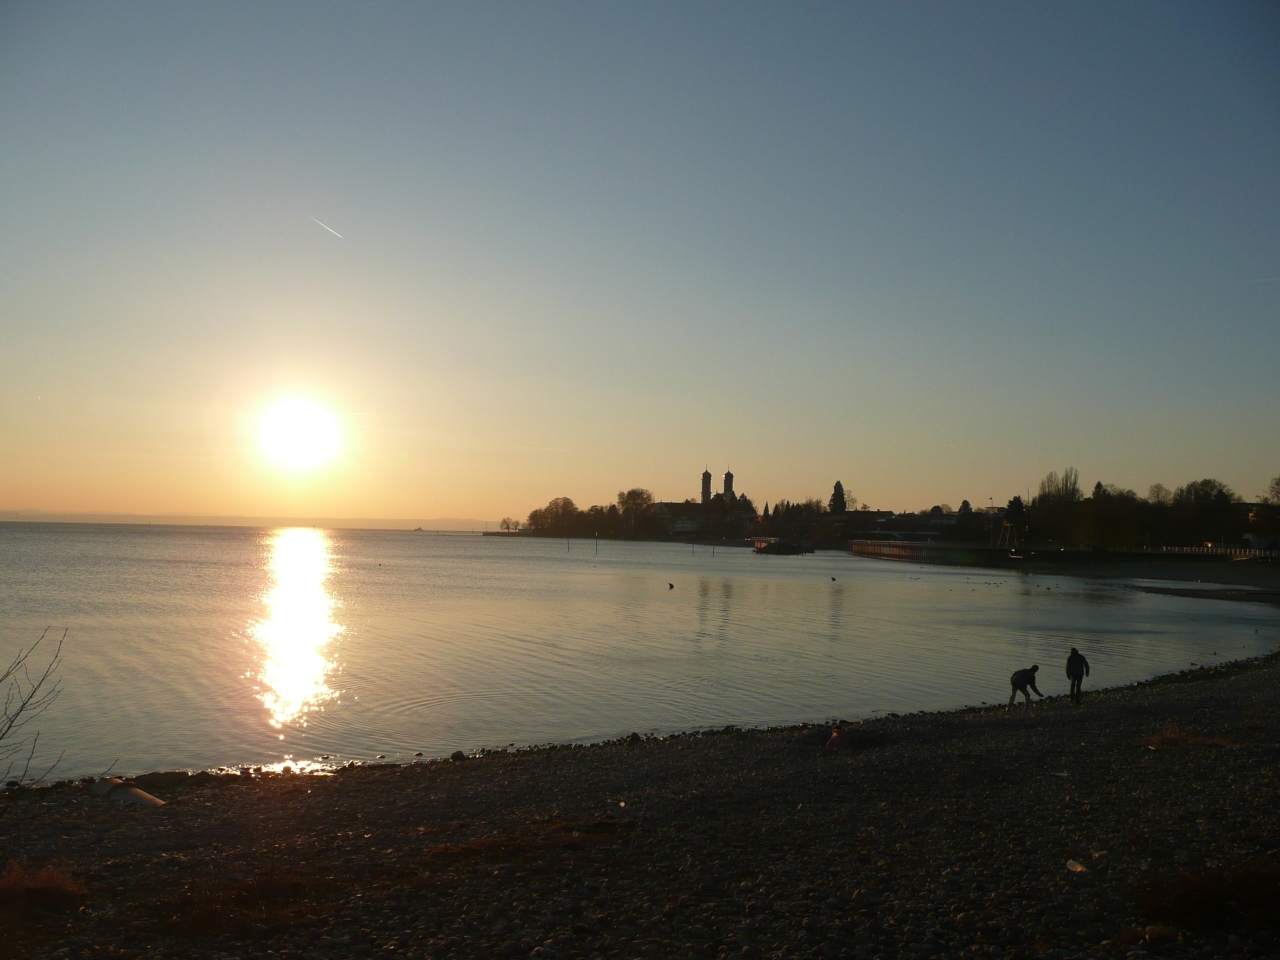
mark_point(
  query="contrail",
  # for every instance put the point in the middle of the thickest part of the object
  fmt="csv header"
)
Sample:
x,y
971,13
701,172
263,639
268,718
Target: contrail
x,y
330,229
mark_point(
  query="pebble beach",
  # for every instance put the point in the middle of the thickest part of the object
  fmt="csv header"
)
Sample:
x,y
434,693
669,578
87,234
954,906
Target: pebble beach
x,y
1142,822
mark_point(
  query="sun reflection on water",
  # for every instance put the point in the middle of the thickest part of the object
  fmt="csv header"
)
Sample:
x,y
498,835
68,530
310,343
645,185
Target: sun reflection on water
x,y
298,628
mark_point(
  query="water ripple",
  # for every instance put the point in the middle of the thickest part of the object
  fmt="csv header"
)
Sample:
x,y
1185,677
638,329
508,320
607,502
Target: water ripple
x,y
434,644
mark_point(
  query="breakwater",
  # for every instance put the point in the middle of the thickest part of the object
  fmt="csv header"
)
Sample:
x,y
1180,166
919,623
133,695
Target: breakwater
x,y
986,555
955,554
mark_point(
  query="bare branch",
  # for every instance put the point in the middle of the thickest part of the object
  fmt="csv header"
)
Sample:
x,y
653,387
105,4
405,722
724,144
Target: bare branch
x,y
27,695
48,770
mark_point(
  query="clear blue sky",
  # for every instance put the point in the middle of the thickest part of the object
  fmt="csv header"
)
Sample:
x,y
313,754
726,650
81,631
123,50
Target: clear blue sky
x,y
933,251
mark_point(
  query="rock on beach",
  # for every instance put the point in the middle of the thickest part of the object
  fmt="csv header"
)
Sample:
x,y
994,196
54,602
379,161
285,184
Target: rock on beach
x,y
943,835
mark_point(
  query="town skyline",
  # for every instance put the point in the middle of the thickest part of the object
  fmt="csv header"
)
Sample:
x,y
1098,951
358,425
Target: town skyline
x,y
468,523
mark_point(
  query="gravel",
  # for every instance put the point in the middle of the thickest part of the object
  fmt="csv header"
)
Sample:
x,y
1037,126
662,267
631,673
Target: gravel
x,y
935,835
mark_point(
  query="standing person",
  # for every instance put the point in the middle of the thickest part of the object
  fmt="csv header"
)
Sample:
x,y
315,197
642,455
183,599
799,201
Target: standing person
x,y
1077,670
1022,679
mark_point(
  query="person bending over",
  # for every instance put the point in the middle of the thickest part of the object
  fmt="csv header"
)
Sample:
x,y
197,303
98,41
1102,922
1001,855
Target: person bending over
x,y
839,737
1077,670
1020,681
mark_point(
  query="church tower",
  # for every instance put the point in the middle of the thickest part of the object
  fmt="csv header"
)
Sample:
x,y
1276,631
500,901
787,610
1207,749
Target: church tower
x,y
706,486
728,487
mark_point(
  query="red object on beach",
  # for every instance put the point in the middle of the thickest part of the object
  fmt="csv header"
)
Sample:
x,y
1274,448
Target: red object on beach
x,y
839,738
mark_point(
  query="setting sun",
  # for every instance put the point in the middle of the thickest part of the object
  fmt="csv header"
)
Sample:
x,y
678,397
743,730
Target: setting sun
x,y
299,434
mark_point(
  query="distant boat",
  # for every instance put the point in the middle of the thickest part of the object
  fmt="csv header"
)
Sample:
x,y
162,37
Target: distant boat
x,y
418,530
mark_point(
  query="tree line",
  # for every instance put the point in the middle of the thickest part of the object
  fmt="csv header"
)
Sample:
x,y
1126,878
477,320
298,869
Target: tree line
x,y
634,515
1200,512
631,516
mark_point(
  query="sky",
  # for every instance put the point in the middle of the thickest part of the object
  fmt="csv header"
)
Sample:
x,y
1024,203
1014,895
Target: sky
x,y
932,251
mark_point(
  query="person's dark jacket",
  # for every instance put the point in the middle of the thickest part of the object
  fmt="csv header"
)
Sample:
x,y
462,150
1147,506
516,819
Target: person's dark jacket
x,y
1022,679
1077,665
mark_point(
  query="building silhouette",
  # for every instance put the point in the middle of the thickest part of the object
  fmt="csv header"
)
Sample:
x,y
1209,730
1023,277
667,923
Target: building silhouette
x,y
716,515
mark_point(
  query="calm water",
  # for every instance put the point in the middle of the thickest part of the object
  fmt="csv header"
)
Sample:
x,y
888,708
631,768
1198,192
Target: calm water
x,y
200,647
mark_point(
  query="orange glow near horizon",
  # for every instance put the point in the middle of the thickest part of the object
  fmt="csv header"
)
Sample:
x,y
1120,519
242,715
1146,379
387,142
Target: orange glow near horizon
x,y
298,628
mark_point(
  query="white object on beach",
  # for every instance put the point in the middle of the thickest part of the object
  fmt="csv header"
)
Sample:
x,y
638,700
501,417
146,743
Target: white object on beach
x,y
114,789
1076,867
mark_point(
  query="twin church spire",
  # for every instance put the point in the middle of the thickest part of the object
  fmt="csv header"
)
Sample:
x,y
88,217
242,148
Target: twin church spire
x,y
706,486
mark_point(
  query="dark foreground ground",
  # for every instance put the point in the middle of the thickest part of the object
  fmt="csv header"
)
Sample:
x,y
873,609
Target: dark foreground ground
x,y
941,835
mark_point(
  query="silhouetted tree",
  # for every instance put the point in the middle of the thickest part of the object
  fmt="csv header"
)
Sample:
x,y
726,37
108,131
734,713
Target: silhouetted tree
x,y
1064,489
1052,511
636,507
1204,509
837,504
1264,520
971,525
634,503
796,519
1015,519
1111,517
555,518
1272,496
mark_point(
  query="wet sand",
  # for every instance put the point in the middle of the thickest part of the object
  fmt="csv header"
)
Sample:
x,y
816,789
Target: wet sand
x,y
1258,575
1252,581
935,835
1245,580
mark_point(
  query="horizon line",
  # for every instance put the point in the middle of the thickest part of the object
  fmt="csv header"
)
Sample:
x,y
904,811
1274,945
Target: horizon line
x,y
244,520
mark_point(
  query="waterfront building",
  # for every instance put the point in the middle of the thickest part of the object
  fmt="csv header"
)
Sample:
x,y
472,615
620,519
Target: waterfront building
x,y
716,515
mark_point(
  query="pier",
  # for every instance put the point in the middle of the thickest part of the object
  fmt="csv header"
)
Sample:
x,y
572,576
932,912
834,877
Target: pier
x,y
986,555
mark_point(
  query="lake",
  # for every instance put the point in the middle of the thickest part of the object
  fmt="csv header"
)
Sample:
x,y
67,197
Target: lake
x,y
199,647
